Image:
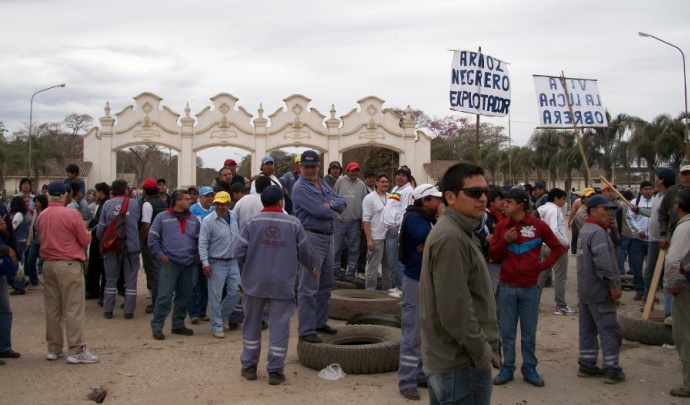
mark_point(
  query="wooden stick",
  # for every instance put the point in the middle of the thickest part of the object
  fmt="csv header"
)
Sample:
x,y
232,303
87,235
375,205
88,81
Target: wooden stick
x,y
578,138
615,190
655,283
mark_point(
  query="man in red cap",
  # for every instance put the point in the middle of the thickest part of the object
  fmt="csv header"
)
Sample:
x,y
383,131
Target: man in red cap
x,y
349,222
152,206
236,178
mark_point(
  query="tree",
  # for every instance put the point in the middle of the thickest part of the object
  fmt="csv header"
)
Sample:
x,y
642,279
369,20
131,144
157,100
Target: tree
x,y
603,140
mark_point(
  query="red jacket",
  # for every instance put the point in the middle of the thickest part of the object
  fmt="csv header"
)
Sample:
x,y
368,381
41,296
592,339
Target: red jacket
x,y
520,265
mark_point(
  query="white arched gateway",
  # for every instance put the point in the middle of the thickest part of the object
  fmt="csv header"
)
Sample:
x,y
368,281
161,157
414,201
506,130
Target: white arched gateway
x,y
225,124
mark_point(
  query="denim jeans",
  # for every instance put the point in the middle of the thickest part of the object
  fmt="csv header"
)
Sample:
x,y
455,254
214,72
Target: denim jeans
x,y
174,279
225,274
518,303
637,250
5,317
397,268
463,386
198,299
410,369
30,269
351,230
623,253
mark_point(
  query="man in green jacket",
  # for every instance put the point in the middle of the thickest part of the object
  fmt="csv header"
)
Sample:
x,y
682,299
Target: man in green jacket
x,y
457,306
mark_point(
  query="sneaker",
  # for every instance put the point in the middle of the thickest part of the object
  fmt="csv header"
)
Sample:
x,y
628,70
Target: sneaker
x,y
275,378
586,372
182,331
249,373
668,321
411,393
219,335
504,376
614,377
396,295
83,357
531,376
564,311
196,320
394,290
54,356
311,338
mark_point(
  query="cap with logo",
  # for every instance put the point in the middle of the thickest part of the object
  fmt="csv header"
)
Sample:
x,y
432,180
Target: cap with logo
x,y
685,168
517,194
271,195
426,190
206,190
267,159
335,163
600,200
56,188
310,158
352,166
149,183
221,197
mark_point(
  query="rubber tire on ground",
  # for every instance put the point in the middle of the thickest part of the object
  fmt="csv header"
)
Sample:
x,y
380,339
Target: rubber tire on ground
x,y
375,318
627,282
344,304
359,349
343,285
650,332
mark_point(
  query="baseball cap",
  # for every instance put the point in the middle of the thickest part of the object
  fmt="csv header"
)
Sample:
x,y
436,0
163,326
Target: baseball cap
x,y
271,195
404,170
267,159
310,158
516,194
206,190
685,168
426,190
527,186
298,158
540,184
334,163
369,173
588,192
352,166
149,184
221,197
193,188
229,162
600,200
56,188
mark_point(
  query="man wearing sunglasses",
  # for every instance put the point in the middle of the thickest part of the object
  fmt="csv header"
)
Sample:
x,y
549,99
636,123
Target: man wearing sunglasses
x,y
457,307
517,243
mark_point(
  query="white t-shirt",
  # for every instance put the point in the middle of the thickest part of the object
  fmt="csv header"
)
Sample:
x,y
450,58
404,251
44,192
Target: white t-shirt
x,y
247,207
274,182
372,209
146,212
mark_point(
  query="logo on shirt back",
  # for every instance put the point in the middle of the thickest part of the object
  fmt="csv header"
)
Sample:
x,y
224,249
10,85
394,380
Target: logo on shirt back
x,y
273,234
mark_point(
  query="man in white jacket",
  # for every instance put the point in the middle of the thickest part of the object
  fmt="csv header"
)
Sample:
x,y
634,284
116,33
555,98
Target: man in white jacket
x,y
552,214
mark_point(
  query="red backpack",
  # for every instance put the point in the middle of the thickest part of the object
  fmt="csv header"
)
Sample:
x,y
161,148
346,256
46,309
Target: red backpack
x,y
114,234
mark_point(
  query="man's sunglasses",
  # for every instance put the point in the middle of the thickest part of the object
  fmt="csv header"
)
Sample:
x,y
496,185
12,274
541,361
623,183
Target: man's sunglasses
x,y
475,192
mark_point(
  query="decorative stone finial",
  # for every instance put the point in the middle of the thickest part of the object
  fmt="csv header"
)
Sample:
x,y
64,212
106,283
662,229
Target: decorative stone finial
x,y
107,109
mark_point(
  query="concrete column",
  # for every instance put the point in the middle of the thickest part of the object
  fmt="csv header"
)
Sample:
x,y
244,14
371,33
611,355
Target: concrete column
x,y
186,158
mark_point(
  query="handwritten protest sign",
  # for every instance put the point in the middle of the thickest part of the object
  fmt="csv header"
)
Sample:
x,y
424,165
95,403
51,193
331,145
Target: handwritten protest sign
x,y
479,84
583,94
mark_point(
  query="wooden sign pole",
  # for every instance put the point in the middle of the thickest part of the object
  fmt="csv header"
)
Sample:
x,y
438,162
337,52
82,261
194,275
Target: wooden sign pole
x,y
615,190
578,138
649,304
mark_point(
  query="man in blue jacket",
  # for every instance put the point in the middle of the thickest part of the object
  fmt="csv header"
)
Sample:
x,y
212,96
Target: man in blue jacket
x,y
128,259
269,248
174,239
316,205
416,226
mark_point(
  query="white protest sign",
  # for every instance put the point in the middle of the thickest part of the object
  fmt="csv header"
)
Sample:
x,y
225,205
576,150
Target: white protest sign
x,y
479,84
585,100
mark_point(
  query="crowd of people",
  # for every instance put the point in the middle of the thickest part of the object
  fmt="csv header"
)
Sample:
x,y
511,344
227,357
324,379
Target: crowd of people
x,y
467,262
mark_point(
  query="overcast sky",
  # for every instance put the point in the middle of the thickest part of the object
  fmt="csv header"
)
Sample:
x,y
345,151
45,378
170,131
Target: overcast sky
x,y
332,52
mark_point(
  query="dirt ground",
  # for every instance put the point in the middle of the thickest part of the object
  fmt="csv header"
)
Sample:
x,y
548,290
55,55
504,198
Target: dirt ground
x,y
135,369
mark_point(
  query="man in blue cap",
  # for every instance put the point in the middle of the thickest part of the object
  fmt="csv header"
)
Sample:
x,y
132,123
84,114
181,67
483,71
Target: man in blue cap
x,y
598,289
198,300
267,169
316,205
